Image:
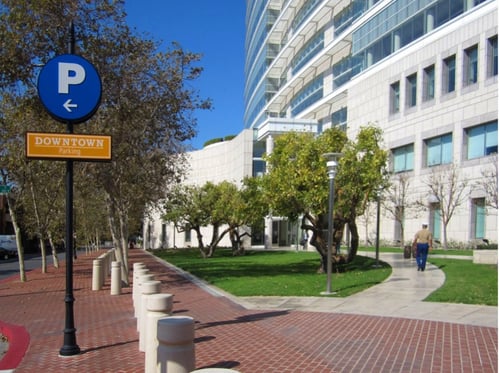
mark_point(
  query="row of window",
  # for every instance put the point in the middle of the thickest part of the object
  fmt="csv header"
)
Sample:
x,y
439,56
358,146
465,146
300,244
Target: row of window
x,y
448,76
480,141
477,219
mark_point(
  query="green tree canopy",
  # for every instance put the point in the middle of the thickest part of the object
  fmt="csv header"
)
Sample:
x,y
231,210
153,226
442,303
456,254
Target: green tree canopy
x,y
296,184
148,101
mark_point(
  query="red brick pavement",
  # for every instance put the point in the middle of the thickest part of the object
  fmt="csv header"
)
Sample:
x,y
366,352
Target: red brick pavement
x,y
229,336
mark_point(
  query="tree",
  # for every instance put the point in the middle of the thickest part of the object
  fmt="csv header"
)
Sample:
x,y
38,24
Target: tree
x,y
220,206
397,202
296,184
447,187
185,207
234,209
147,100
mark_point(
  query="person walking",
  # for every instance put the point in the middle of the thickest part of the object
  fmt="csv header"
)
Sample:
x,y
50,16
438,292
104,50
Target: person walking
x,y
423,242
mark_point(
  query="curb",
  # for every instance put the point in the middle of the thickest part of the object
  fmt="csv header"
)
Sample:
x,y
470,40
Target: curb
x,y
19,339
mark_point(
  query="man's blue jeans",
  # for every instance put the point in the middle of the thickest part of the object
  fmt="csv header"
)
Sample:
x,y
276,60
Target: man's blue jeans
x,y
422,251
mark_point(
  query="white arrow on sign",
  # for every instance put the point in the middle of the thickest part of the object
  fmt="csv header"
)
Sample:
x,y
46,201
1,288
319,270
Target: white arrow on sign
x,y
68,105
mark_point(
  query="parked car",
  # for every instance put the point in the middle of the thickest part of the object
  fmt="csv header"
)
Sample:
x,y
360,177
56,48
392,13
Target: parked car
x,y
6,254
8,246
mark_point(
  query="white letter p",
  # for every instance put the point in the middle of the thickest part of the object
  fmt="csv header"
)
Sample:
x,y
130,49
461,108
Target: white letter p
x,y
70,74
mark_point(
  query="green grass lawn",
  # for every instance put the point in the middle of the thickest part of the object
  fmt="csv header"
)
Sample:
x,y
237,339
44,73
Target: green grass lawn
x,y
466,282
290,273
279,273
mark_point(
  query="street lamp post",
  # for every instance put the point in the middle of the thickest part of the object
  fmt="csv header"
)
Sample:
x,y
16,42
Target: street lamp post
x,y
331,165
377,238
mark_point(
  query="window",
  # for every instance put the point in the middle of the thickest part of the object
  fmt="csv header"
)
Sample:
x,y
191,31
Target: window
x,y
339,118
429,82
308,95
478,217
435,221
449,74
187,233
163,234
439,150
470,65
411,90
394,97
482,140
492,56
403,158
308,51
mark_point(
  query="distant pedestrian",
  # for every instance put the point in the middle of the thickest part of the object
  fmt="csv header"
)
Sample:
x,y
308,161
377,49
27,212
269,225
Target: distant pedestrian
x,y
423,243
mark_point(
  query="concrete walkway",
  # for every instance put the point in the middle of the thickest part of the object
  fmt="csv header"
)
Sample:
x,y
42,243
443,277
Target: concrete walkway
x,y
401,295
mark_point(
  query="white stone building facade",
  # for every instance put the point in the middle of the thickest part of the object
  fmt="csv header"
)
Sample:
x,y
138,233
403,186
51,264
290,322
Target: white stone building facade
x,y
424,71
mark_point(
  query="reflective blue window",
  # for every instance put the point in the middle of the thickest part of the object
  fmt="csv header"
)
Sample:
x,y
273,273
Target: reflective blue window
x,y
492,57
308,95
411,90
304,12
308,51
449,74
394,97
439,150
339,118
479,217
470,65
429,83
403,158
482,140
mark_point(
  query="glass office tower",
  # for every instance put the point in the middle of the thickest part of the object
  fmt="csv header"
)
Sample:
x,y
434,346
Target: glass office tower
x,y
425,71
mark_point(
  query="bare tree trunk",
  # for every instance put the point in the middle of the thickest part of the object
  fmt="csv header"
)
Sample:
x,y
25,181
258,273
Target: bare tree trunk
x,y
118,249
43,252
55,259
39,228
122,217
201,246
445,236
17,230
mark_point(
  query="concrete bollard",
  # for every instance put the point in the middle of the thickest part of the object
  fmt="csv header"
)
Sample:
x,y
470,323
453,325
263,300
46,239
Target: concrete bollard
x,y
136,287
138,265
105,266
158,306
140,280
116,278
147,288
175,345
96,274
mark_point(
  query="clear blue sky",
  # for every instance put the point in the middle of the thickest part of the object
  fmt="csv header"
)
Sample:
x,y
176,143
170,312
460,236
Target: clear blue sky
x,y
215,29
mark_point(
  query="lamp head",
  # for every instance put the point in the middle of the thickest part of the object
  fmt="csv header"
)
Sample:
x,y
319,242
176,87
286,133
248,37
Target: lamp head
x,y
331,163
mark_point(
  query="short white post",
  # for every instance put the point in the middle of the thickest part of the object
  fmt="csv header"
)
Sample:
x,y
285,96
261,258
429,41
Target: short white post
x,y
176,345
137,267
136,289
147,288
158,306
116,278
96,274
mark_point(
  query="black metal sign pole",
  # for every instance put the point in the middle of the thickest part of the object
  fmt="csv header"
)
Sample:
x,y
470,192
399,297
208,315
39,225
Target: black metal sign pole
x,y
70,347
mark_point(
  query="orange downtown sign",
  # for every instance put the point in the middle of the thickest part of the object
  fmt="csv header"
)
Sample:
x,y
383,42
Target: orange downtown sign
x,y
68,146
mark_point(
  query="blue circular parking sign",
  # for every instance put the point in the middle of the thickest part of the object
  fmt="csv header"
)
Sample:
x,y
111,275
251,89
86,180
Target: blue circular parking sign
x,y
70,88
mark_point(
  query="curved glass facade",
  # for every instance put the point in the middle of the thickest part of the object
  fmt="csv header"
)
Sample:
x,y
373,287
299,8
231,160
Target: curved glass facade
x,y
425,71
280,44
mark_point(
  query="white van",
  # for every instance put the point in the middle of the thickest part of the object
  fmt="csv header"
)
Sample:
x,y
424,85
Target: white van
x,y
8,246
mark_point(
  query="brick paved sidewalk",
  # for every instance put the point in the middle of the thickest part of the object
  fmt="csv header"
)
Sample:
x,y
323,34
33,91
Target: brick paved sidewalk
x,y
229,336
